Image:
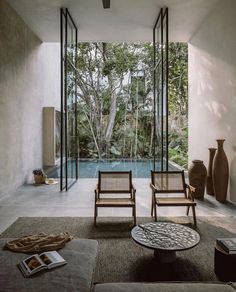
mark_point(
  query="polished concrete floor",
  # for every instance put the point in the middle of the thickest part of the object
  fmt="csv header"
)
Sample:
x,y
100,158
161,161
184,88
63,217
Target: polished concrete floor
x,y
48,201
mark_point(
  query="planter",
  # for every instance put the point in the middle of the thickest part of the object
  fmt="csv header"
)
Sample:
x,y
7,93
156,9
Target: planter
x,y
39,179
209,181
197,178
220,173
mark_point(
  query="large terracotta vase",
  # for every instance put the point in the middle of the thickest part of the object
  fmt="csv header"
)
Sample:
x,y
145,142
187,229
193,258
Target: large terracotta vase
x,y
209,181
197,178
220,173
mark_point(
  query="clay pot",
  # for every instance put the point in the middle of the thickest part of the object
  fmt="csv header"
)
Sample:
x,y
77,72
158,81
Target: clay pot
x,y
220,173
197,178
209,181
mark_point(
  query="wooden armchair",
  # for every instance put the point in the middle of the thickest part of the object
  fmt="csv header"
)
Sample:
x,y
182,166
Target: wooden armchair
x,y
169,189
118,183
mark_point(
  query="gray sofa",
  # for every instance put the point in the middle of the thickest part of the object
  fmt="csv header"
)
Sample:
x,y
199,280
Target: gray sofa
x,y
164,287
78,274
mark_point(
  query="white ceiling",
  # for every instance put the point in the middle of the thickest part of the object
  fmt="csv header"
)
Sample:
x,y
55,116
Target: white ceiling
x,y
126,20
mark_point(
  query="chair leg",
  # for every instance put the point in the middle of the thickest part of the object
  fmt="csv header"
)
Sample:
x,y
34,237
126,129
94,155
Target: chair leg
x,y
134,214
188,207
155,212
194,216
95,215
152,208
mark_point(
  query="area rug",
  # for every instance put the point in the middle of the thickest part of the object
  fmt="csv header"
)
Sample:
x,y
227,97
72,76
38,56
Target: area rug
x,y
120,259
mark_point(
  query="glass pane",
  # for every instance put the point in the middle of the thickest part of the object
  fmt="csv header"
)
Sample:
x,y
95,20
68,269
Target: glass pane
x,y
69,133
63,153
160,72
71,103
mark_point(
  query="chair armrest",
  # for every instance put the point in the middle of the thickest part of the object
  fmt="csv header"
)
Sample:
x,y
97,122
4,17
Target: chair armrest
x,y
133,192
153,187
191,188
97,188
191,191
96,193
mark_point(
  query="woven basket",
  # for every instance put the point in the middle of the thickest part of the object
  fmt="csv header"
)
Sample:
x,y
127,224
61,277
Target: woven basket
x,y
39,179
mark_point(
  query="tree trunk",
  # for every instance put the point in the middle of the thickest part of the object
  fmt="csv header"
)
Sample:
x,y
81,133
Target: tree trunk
x,y
112,112
151,140
136,123
93,134
124,142
112,116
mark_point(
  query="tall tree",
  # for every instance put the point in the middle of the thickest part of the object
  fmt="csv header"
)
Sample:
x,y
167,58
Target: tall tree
x,y
116,106
102,68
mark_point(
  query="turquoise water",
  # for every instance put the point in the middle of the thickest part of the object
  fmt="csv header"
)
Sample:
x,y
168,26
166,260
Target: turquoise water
x,y
90,168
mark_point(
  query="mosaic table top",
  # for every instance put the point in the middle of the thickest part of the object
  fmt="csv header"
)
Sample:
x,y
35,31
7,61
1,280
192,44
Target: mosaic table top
x,y
165,236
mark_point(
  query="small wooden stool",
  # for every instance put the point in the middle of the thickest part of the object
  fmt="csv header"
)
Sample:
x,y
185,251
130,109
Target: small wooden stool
x,y
225,265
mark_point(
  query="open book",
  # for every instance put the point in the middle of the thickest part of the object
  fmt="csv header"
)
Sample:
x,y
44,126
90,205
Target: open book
x,y
38,262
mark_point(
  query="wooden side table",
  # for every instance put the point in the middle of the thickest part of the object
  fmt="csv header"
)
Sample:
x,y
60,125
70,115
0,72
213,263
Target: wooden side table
x,y
225,265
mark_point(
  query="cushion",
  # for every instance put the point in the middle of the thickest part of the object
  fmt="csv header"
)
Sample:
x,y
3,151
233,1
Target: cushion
x,y
233,285
76,275
163,287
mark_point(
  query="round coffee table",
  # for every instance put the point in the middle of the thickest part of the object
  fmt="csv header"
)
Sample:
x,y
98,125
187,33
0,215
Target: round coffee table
x,y
165,238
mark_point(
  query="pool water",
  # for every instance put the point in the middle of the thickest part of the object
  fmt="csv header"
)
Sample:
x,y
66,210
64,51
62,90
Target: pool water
x,y
90,168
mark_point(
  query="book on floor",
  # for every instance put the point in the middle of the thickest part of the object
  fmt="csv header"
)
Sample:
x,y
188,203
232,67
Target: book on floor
x,y
227,244
37,262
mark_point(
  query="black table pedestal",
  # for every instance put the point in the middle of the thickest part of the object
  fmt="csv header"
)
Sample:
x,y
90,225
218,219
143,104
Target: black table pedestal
x,y
165,257
225,265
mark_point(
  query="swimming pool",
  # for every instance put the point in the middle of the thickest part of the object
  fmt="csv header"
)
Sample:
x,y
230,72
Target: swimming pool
x,y
90,168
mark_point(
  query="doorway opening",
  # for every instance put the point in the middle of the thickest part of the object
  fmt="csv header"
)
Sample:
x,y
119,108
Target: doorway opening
x,y
116,108
124,105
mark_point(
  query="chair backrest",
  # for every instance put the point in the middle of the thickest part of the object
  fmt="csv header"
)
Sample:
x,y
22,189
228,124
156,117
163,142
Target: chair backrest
x,y
114,181
169,181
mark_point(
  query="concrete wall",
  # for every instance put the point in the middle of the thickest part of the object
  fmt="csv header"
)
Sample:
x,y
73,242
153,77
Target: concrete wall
x,y
29,80
212,87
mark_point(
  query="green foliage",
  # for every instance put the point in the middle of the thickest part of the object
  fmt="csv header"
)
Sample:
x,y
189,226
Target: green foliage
x,y
125,70
178,147
178,103
178,79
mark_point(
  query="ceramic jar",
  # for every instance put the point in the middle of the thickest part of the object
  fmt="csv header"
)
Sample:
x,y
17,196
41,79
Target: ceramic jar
x,y
197,178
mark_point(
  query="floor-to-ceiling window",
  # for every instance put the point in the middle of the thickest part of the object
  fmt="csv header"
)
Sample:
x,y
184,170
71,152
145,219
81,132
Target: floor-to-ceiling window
x,y
160,91
69,143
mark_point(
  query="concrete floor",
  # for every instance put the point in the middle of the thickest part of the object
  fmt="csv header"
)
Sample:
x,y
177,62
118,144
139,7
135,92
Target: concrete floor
x,y
48,201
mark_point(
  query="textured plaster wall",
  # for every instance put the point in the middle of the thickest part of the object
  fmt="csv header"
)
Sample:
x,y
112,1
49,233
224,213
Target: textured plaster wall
x,y
212,87
29,80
